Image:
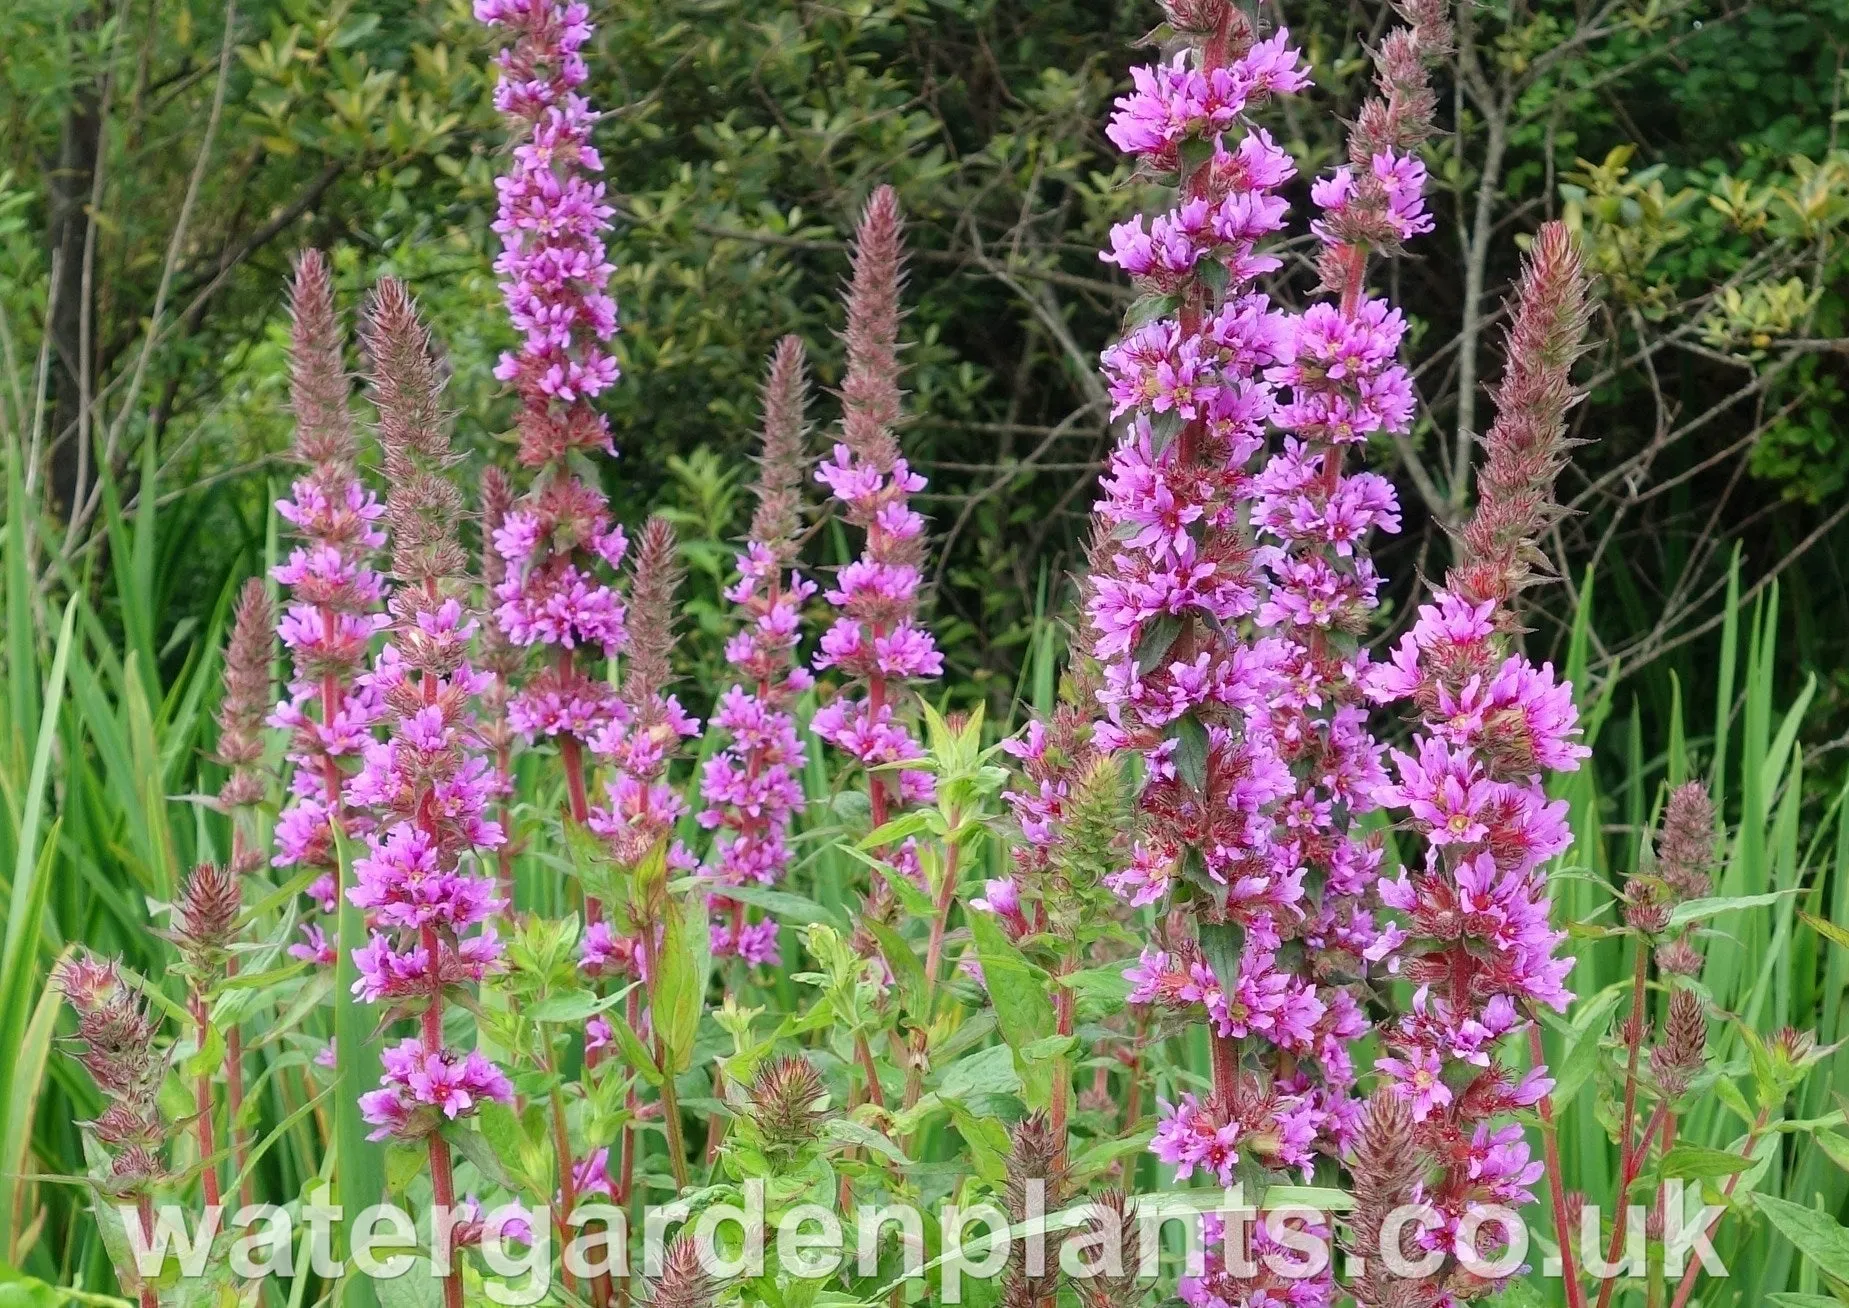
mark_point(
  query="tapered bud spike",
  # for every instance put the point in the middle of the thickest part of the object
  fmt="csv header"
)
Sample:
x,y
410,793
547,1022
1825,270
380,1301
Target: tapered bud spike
x,y
423,507
658,573
1527,444
786,1098
1389,1168
1685,850
318,379
247,701
870,389
780,466
1675,1061
1111,1229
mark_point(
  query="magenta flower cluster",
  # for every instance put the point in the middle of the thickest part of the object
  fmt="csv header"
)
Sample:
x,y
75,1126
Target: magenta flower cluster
x,y
335,597
1475,939
1248,766
552,216
751,786
428,906
555,277
876,638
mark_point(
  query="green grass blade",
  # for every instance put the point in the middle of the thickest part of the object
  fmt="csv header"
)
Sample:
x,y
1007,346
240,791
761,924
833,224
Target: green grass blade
x,y
31,884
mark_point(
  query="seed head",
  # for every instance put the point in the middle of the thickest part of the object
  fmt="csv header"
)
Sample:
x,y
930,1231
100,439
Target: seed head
x,y
787,1098
684,1282
204,917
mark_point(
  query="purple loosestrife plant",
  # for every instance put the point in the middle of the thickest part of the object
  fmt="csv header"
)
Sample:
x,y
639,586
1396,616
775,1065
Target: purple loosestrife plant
x,y
1174,571
115,1043
558,542
240,719
500,658
751,784
1313,517
876,640
334,594
637,822
1491,726
421,880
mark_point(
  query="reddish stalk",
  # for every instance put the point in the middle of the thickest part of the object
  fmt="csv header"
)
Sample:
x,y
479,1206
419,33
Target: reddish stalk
x,y
1064,1013
1225,1066
1687,1285
148,1296
1634,1039
234,1057
442,1178
1550,1142
504,856
670,1097
202,1107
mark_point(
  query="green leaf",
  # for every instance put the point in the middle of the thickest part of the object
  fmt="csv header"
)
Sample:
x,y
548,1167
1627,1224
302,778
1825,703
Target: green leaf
x,y
783,905
987,1139
1582,1054
571,1006
1195,151
680,990
1158,637
1816,1235
1147,308
1163,428
847,1130
1828,930
1190,752
209,1057
907,970
404,1163
1697,1162
635,1053
986,1072
1694,910
1834,1145
1104,987
360,1165
475,1147
900,829
1098,1157
1221,944
1213,275
1018,989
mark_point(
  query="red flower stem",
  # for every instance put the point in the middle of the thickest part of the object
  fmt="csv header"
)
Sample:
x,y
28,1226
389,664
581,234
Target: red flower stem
x,y
1556,1188
442,1179
1063,1014
670,1098
626,1155
202,1107
864,1053
504,856
1631,1152
568,1184
1687,1287
876,790
234,1054
1627,1177
148,1296
1225,1066
1634,1039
